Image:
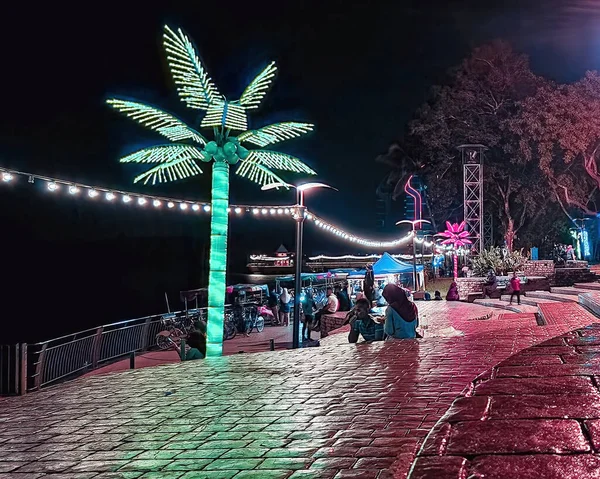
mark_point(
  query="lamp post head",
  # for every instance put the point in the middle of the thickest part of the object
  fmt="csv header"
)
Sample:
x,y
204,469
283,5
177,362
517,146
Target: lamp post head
x,y
276,186
310,186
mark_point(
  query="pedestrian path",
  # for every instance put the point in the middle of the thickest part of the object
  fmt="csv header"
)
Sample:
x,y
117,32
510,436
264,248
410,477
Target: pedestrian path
x,y
536,414
340,410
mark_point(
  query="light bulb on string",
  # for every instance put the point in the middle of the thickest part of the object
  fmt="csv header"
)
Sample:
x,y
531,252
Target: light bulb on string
x,y
183,206
126,198
92,193
142,201
110,196
6,177
195,207
73,190
264,211
53,186
238,210
170,204
255,211
156,203
206,208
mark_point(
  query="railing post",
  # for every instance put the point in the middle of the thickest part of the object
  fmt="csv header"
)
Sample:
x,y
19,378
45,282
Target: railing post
x,y
39,368
96,345
24,365
145,338
16,388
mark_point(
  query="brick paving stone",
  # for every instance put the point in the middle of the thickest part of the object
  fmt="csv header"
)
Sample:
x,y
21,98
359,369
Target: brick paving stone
x,y
310,408
444,467
537,466
531,407
517,436
543,386
594,430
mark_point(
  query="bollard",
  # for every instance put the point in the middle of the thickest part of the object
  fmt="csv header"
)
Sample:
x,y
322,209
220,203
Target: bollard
x,y
272,345
182,349
132,360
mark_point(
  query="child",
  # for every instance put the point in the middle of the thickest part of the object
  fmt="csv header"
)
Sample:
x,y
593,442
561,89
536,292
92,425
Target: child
x,y
515,284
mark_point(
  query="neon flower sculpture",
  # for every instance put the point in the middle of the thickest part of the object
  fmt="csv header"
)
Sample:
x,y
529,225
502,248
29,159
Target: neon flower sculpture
x,y
188,149
456,236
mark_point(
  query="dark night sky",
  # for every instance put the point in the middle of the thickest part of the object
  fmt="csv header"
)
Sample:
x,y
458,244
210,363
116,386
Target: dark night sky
x,y
357,70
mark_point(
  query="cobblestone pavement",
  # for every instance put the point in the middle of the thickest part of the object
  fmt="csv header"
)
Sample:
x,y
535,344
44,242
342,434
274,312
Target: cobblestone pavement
x,y
339,410
535,415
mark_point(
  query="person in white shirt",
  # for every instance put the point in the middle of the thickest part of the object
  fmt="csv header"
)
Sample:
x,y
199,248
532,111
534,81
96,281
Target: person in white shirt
x,y
331,306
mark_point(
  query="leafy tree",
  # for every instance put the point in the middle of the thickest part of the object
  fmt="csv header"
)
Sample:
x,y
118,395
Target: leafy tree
x,y
478,105
559,129
188,149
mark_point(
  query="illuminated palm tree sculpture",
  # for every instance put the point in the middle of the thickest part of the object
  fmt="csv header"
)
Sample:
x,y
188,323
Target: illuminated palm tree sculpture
x,y
188,148
457,237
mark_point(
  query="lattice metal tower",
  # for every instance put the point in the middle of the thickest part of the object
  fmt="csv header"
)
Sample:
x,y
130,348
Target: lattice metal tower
x,y
488,230
472,160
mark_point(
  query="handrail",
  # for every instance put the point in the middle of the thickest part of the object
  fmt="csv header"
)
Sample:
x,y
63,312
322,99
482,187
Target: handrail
x,y
105,326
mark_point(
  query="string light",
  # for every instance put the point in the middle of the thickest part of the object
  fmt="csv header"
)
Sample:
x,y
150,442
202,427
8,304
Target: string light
x,y
73,190
183,206
53,184
6,177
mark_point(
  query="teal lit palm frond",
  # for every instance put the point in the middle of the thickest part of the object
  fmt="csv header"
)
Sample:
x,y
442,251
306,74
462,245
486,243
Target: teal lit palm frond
x,y
251,169
195,87
181,159
157,120
270,134
258,88
198,90
175,167
280,161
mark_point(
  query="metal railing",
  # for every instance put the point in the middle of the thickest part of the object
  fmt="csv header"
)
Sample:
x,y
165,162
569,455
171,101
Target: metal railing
x,y
13,369
75,354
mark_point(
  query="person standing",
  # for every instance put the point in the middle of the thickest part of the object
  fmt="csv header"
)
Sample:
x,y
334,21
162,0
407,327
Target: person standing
x,y
369,283
343,299
308,308
515,284
284,307
272,304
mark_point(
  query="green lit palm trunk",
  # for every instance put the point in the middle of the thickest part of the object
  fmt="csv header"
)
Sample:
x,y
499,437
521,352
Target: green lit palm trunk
x,y
218,258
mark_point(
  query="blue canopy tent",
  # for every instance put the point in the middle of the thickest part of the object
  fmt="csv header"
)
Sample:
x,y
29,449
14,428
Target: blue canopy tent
x,y
386,265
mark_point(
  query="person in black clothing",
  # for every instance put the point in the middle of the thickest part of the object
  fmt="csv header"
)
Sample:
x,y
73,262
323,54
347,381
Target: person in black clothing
x,y
369,283
343,299
273,303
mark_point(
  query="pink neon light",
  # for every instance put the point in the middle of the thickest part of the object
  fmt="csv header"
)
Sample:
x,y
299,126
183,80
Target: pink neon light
x,y
418,213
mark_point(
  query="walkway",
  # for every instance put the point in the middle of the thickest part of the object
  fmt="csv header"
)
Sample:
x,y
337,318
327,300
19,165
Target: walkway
x,y
336,411
537,414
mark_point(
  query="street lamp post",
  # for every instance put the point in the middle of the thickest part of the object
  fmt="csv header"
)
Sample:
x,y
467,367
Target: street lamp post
x,y
414,247
300,216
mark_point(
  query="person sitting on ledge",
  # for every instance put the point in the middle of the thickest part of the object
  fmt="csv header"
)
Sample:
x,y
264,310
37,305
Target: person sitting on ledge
x,y
361,323
491,284
401,314
453,293
437,296
197,343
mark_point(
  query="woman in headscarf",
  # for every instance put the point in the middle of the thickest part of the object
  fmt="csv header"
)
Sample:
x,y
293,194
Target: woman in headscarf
x,y
453,293
284,307
401,314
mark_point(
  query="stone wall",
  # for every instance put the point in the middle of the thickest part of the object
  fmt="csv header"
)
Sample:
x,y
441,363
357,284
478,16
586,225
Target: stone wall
x,y
539,268
570,276
467,286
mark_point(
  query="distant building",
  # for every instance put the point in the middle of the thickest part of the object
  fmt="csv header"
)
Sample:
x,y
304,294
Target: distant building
x,y
281,262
